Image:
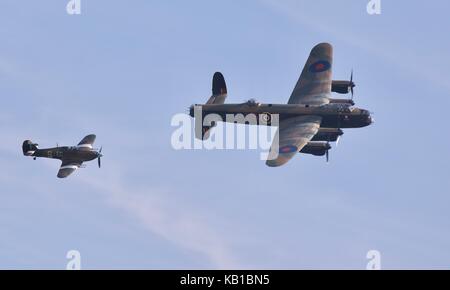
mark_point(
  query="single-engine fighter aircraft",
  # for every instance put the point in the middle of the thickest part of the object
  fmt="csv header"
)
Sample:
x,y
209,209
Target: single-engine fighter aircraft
x,y
307,123
72,157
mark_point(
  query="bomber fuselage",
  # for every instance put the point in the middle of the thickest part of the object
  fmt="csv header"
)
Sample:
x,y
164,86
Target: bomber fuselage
x,y
333,115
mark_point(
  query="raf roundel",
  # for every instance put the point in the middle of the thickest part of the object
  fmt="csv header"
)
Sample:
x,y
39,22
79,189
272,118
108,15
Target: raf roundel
x,y
288,149
320,66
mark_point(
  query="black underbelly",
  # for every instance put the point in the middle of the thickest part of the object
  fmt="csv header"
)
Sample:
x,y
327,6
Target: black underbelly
x,y
328,121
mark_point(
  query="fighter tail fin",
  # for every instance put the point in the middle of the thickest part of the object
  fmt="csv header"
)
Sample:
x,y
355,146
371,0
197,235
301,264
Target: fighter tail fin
x,y
29,148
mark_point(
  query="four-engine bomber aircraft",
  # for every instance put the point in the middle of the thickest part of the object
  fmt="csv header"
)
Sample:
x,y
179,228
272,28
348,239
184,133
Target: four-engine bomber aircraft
x,y
72,157
308,122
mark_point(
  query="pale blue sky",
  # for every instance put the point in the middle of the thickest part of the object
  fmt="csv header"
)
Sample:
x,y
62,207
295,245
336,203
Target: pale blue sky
x,y
122,69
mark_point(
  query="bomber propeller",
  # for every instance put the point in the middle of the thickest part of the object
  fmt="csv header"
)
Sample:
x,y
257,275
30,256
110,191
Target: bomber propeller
x,y
327,153
352,85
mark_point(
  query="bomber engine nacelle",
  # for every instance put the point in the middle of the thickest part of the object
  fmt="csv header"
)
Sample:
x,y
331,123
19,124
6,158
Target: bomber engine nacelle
x,y
29,148
328,135
342,87
316,148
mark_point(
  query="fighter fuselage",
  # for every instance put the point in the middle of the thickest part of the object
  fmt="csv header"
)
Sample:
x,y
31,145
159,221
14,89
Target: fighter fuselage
x,y
67,152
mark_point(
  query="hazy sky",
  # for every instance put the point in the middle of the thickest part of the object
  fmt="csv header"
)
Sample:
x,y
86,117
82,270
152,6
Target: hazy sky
x,y
122,69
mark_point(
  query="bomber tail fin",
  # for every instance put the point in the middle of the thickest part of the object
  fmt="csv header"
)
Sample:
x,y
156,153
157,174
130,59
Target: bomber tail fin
x,y
29,148
219,94
219,90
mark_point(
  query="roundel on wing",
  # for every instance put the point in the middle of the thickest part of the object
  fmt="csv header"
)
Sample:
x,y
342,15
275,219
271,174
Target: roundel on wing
x,y
288,149
319,66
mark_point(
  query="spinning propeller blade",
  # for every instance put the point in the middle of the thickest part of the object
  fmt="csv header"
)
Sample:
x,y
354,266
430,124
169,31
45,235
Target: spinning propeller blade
x,y
352,84
100,157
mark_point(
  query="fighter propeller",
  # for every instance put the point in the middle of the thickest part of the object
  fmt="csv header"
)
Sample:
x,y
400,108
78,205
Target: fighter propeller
x,y
99,157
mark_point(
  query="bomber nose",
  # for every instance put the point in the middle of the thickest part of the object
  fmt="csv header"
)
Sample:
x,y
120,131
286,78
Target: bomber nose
x,y
368,117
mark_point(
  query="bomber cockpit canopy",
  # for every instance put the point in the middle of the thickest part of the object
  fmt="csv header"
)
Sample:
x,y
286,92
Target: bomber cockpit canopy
x,y
252,103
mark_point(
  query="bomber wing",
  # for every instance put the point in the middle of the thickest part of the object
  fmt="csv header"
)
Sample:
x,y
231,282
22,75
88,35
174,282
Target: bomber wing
x,y
314,84
292,135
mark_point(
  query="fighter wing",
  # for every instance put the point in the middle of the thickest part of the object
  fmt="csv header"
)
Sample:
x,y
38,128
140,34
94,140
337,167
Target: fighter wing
x,y
292,135
314,84
87,142
68,167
